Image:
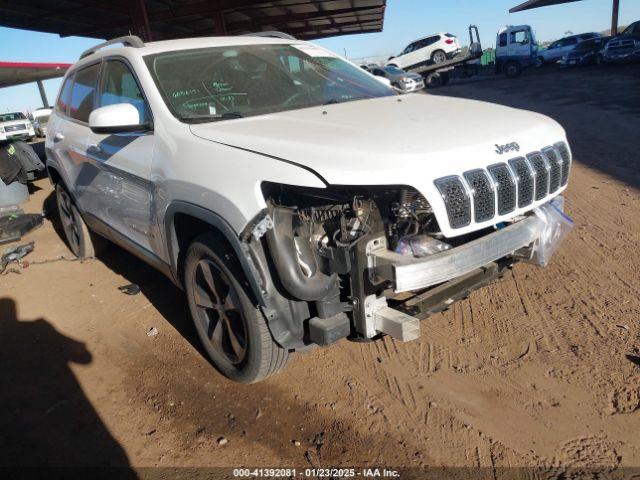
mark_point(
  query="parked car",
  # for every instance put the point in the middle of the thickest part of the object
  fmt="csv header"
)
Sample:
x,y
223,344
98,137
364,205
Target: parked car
x,y
39,119
585,53
436,48
562,47
257,175
369,68
15,126
625,47
404,82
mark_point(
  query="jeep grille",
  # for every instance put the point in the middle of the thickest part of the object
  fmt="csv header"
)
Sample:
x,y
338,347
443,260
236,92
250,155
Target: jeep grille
x,y
482,194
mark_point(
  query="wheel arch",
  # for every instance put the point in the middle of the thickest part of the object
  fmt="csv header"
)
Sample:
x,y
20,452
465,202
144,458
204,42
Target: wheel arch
x,y
185,221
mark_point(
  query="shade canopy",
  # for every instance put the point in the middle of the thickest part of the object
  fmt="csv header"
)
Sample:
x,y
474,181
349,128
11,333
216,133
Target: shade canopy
x,y
538,3
17,73
167,19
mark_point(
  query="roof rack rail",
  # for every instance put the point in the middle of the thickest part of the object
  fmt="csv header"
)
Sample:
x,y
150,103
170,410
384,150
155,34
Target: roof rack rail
x,y
272,34
127,41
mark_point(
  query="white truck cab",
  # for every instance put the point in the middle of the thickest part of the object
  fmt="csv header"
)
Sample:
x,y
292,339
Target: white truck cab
x,y
516,49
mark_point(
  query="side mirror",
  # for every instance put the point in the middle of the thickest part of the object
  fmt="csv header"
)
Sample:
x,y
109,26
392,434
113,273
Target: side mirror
x,y
117,118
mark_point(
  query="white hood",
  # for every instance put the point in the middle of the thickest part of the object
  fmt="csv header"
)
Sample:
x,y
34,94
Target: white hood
x,y
388,140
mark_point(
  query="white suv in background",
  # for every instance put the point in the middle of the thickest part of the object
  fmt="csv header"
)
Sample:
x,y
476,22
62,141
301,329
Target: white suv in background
x,y
295,198
15,126
436,48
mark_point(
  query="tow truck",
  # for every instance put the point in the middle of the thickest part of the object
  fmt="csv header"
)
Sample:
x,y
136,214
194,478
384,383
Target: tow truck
x,y
516,50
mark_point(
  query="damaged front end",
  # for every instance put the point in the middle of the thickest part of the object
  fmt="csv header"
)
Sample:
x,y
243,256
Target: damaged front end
x,y
360,262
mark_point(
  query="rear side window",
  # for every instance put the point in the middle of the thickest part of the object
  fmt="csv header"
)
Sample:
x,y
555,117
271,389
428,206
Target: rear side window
x,y
65,95
410,48
84,87
120,86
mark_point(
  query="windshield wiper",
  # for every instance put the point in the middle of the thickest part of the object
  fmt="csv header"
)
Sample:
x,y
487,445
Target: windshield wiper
x,y
210,118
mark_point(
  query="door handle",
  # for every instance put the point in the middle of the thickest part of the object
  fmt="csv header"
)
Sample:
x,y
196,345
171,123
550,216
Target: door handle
x,y
58,137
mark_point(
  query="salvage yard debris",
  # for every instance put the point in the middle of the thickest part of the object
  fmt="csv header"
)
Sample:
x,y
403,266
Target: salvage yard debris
x,y
15,254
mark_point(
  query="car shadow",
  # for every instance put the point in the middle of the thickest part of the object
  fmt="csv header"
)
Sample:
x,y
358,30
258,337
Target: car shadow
x,y
46,420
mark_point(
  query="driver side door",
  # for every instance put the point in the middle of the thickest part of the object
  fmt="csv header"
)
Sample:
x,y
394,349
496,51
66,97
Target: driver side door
x,y
122,188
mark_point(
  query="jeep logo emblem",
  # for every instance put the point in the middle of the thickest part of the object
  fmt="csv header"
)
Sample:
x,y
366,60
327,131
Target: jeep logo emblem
x,y
509,147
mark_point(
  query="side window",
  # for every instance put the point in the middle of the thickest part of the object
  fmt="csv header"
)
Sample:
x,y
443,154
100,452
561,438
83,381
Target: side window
x,y
65,94
519,36
502,42
84,87
434,39
570,41
377,72
118,85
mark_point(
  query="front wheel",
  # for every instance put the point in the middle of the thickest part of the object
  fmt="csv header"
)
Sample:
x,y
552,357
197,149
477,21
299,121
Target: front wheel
x,y
512,69
231,328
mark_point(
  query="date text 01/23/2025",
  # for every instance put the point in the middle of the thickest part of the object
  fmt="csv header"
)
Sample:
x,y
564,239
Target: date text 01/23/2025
x,y
315,473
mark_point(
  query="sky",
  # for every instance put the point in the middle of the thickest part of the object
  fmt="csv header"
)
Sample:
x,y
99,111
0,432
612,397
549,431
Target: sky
x,y
405,21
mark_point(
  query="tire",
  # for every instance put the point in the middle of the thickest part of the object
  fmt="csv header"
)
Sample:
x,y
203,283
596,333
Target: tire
x,y
78,237
512,69
232,329
433,80
438,57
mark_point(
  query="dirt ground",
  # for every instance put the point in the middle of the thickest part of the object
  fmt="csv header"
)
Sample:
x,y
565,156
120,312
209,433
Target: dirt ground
x,y
540,369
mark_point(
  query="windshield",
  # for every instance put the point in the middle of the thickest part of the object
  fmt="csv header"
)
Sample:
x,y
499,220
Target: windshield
x,y
245,80
394,70
586,46
9,117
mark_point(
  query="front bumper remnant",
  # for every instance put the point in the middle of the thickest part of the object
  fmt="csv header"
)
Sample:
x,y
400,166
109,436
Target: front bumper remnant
x,y
458,271
409,273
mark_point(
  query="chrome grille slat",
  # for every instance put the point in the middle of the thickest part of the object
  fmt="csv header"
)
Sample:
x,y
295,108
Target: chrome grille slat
x,y
506,186
456,199
541,167
563,149
555,164
484,202
524,180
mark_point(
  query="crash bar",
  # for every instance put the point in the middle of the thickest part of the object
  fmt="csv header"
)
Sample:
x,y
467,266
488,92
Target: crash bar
x,y
409,273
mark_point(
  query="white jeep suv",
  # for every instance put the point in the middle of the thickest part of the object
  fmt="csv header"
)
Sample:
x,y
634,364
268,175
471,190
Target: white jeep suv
x,y
436,48
295,198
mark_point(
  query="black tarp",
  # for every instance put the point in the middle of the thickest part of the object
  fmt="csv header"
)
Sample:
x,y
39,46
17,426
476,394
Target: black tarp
x,y
18,162
11,168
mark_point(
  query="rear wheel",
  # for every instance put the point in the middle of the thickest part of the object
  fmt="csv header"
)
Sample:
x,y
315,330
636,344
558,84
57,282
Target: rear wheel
x,y
439,56
79,239
231,328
